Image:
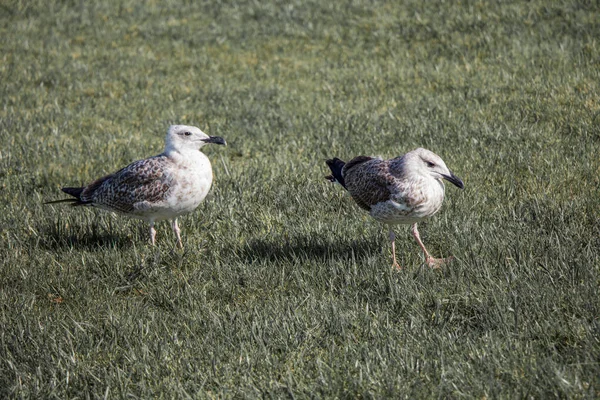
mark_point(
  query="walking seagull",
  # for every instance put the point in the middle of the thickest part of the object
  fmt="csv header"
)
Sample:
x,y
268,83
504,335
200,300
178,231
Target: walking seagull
x,y
403,190
162,187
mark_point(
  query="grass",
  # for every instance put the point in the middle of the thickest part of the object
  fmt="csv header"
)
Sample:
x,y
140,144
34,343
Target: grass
x,y
285,287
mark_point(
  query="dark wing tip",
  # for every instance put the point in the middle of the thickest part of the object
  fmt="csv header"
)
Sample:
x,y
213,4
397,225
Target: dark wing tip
x,y
73,191
61,201
357,161
75,201
336,165
333,161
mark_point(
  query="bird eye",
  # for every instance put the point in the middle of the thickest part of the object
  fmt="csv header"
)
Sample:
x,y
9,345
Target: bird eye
x,y
430,164
187,133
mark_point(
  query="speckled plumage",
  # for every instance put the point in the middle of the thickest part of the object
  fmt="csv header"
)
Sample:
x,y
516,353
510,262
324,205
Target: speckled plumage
x,y
157,188
403,190
133,189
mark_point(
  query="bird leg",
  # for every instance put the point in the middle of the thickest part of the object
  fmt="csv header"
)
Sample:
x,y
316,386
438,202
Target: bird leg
x,y
152,233
393,240
177,233
431,261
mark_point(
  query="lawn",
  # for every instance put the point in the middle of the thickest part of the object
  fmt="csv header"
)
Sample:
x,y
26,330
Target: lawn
x,y
285,287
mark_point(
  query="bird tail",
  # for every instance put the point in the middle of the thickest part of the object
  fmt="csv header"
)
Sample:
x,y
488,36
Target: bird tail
x,y
73,191
336,165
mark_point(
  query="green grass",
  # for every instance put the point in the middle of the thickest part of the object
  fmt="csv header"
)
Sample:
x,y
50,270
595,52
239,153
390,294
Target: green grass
x,y
285,287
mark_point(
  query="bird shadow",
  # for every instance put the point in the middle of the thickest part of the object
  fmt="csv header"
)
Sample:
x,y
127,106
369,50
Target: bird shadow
x,y
91,242
90,238
315,247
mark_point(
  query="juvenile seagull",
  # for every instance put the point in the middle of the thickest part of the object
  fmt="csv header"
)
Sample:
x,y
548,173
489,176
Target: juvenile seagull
x,y
157,188
403,190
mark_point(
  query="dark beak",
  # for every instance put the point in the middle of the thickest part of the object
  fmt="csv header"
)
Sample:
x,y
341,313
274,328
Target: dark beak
x,y
215,140
455,180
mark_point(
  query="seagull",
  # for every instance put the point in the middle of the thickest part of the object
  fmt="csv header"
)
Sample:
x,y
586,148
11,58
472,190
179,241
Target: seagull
x,y
402,190
162,187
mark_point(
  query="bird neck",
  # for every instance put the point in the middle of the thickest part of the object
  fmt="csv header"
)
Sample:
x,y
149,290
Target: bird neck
x,y
172,151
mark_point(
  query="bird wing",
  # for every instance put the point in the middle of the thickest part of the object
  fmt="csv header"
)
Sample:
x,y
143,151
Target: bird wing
x,y
368,180
141,181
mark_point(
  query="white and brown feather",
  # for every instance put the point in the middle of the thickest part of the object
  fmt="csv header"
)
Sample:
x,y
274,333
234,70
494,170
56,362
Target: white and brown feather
x,y
387,190
132,188
368,180
162,187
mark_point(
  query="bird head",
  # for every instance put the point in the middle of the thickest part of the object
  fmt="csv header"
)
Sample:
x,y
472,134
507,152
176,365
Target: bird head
x,y
430,164
180,137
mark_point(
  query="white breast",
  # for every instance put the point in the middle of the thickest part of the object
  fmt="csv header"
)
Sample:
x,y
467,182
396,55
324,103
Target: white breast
x,y
193,179
433,199
413,202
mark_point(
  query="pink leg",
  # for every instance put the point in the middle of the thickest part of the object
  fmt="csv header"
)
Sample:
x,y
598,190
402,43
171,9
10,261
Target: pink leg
x,y
152,233
393,240
177,233
432,262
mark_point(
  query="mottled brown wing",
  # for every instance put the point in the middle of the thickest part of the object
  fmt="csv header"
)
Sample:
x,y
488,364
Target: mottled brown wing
x,y
356,161
367,180
141,181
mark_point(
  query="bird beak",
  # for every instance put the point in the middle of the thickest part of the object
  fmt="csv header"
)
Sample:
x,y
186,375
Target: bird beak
x,y
455,180
215,140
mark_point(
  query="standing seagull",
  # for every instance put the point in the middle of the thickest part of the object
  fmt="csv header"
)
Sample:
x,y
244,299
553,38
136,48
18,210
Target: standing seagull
x,y
403,190
156,188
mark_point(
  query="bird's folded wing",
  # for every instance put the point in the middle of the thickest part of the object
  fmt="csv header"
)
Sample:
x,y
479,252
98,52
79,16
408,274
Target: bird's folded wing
x,y
368,181
142,181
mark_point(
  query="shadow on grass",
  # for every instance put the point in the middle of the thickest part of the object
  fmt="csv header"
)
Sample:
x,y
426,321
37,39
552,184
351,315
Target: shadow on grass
x,y
318,248
90,238
89,242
